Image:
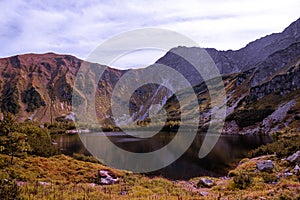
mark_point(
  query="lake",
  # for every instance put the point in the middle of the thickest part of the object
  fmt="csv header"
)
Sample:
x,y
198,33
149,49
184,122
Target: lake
x,y
224,156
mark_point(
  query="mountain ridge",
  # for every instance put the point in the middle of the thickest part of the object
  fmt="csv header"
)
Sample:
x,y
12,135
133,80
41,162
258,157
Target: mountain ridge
x,y
39,86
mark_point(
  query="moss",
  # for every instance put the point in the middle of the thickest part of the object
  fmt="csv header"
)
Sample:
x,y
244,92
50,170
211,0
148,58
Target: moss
x,y
269,177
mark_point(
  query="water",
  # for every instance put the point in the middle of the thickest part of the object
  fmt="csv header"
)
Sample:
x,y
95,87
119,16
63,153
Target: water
x,y
225,155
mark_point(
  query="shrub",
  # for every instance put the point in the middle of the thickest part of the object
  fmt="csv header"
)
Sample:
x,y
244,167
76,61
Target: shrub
x,y
246,118
242,181
269,178
282,146
39,140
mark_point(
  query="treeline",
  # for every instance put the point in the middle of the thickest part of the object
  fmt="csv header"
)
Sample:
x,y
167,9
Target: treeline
x,y
27,138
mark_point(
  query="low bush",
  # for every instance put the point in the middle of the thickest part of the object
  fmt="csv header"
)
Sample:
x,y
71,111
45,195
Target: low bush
x,y
246,118
282,146
269,178
242,181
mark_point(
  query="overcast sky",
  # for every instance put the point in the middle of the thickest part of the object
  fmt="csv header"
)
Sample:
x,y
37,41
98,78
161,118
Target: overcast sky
x,y
79,27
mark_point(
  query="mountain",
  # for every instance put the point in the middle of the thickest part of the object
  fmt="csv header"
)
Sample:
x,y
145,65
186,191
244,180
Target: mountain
x,y
39,86
261,80
250,56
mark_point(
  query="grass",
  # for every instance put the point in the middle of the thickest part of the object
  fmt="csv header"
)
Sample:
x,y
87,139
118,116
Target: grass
x,y
64,177
67,178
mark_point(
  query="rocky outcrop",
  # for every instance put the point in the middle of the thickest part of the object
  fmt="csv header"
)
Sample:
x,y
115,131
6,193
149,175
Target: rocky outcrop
x,y
295,158
260,53
205,182
266,165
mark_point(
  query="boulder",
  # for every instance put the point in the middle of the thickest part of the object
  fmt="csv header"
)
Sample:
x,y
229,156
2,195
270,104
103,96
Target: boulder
x,y
295,158
204,193
266,165
106,178
206,182
297,169
287,174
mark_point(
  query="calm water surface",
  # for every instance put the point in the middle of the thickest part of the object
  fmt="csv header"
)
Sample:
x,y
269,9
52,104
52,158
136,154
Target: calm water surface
x,y
225,155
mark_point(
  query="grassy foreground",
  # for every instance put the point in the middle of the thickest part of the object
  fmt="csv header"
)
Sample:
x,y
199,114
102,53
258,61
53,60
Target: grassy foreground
x,y
63,177
30,168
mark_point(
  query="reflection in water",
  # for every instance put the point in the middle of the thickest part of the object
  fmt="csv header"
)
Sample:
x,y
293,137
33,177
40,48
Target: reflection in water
x,y
226,153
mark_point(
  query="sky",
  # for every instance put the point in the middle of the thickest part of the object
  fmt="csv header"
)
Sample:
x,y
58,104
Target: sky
x,y
78,27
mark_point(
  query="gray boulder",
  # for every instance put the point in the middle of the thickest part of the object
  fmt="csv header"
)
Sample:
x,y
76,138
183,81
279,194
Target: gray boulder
x,y
106,178
206,182
295,158
266,165
204,193
297,169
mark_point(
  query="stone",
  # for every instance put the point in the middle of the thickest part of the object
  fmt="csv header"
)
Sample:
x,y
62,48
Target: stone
x,y
44,183
296,169
106,178
287,174
124,192
295,158
266,165
206,182
204,193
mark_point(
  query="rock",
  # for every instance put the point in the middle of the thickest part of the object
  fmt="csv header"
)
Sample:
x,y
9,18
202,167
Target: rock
x,y
206,182
295,158
92,184
44,183
296,169
20,183
106,178
124,192
266,165
287,174
204,193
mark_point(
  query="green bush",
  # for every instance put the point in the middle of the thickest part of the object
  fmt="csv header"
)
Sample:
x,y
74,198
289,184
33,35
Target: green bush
x,y
242,181
282,146
246,118
269,178
39,140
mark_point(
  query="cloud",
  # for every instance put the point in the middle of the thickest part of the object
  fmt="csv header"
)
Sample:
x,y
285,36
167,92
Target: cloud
x,y
78,27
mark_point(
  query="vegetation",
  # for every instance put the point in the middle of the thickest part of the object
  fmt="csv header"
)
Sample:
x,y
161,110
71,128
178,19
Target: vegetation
x,y
40,172
60,126
12,142
9,190
25,138
246,118
9,99
284,145
33,99
39,140
242,181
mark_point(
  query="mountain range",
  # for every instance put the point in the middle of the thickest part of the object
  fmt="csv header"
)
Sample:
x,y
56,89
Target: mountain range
x,y
262,82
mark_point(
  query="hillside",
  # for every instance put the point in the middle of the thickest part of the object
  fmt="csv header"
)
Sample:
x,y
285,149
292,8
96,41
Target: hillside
x,y
261,79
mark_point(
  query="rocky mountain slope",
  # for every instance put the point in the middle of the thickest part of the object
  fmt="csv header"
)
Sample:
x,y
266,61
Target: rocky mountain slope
x,y
261,80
